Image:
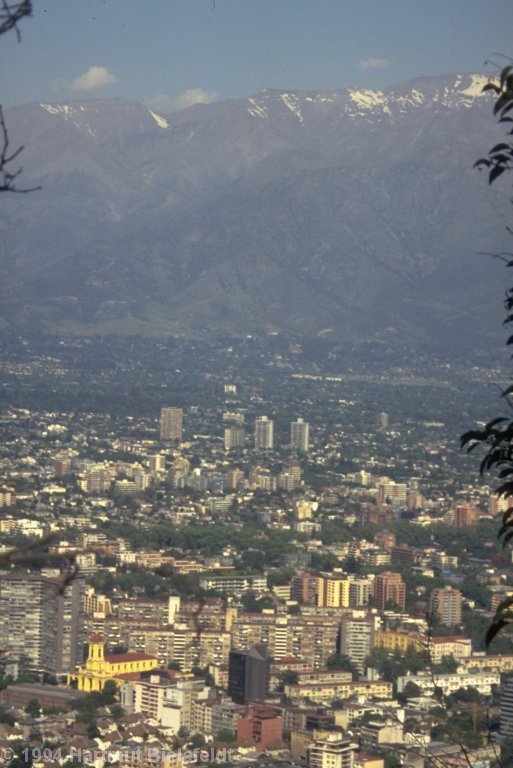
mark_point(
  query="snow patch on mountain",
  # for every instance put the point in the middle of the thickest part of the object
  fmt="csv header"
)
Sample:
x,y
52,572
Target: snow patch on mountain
x,y
367,99
70,113
477,83
59,109
292,102
256,109
161,121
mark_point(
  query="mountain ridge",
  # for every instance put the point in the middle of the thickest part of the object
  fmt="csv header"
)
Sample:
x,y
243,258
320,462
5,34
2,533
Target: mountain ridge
x,y
361,213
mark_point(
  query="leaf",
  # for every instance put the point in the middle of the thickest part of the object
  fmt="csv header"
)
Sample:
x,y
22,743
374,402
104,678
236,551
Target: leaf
x,y
494,630
495,173
505,72
500,147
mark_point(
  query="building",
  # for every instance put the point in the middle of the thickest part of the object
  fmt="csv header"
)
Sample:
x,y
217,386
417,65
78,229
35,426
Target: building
x,y
118,667
464,514
7,497
260,725
171,420
234,438
356,639
62,464
506,723
456,646
264,434
359,592
303,587
149,696
42,622
333,590
334,751
300,435
325,692
310,638
446,605
178,710
376,733
157,463
385,539
20,694
404,554
483,682
233,584
290,478
399,641
248,674
389,587
225,716
389,492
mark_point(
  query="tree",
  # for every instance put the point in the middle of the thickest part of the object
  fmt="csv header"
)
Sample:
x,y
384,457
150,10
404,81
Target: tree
x,y
33,709
341,661
10,15
287,677
447,665
108,693
497,435
226,736
412,690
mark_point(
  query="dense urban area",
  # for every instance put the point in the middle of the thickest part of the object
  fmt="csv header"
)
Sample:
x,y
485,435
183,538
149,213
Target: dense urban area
x,y
253,549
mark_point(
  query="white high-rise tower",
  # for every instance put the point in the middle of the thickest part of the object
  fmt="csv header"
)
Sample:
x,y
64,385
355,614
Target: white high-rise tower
x,y
264,433
300,435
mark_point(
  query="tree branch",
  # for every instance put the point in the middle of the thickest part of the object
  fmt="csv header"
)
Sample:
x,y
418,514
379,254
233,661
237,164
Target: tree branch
x,y
8,177
11,13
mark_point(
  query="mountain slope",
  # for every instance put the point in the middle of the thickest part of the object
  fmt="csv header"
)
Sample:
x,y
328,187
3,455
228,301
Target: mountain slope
x,y
353,210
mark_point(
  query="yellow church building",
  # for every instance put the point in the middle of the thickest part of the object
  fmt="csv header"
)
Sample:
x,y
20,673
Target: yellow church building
x,y
117,666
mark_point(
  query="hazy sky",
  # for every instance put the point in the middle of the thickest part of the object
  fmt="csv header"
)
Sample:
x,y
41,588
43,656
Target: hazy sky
x,y
171,53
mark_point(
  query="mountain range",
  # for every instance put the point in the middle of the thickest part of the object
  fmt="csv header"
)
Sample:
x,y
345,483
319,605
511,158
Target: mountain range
x,y
352,213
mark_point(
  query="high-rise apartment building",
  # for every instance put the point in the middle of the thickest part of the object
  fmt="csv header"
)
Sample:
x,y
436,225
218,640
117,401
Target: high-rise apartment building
x,y
171,420
43,622
300,435
359,591
446,604
464,514
310,638
356,639
234,437
333,590
506,698
303,587
389,587
264,434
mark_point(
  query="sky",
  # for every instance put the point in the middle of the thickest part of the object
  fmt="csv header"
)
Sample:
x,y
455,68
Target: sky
x,y
170,54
